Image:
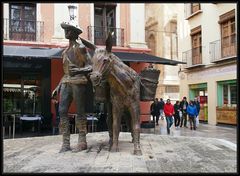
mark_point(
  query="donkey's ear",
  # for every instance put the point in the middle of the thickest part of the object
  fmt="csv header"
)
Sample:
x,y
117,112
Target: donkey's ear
x,y
109,43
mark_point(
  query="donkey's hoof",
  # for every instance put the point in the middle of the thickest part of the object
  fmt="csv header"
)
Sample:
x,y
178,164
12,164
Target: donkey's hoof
x,y
110,142
114,149
137,152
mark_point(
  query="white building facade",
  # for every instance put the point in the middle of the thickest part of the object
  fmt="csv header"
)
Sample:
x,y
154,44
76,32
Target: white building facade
x,y
208,42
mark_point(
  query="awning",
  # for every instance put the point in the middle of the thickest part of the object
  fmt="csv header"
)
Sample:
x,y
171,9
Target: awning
x,y
24,51
147,58
33,52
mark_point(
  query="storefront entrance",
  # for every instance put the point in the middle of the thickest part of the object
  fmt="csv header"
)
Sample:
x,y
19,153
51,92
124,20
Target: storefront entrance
x,y
200,91
26,90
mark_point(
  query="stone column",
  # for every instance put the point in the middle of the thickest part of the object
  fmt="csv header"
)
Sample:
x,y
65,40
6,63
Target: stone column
x,y
137,25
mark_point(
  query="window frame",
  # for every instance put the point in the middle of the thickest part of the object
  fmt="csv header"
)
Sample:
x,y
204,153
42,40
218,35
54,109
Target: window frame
x,y
196,35
228,39
101,31
194,5
26,28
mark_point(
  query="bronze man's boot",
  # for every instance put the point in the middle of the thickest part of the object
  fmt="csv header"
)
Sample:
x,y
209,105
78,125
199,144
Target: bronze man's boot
x,y
66,137
82,142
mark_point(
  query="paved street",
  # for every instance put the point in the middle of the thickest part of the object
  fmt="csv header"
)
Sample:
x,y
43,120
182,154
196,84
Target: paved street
x,y
182,151
228,133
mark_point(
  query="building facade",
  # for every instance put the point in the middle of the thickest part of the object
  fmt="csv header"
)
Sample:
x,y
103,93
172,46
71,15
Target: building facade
x,y
29,28
162,38
207,43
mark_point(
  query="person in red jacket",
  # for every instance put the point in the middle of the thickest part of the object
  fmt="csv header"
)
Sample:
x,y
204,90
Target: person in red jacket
x,y
168,111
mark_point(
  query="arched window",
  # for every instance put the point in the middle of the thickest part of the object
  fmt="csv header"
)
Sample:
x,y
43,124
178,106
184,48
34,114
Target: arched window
x,y
152,44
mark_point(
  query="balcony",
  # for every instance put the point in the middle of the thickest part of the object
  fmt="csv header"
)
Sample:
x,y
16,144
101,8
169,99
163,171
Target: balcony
x,y
99,34
23,30
219,53
193,57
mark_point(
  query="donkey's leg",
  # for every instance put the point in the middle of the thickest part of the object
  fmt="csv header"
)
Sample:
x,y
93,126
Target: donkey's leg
x,y
110,121
117,113
135,115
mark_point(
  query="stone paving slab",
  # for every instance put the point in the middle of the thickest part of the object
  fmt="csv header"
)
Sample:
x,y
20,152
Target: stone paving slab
x,y
161,154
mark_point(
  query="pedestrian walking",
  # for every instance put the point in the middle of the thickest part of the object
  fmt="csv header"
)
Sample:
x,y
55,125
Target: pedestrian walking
x,y
183,108
197,104
57,119
192,113
168,111
161,106
176,114
155,110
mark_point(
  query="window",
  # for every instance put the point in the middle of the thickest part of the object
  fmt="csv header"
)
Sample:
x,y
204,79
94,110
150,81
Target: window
x,y
22,21
152,44
191,9
172,89
196,45
174,40
195,7
104,22
227,93
228,34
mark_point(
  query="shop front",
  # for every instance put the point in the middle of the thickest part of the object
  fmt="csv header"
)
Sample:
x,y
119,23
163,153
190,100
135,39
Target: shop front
x,y
200,91
26,89
227,102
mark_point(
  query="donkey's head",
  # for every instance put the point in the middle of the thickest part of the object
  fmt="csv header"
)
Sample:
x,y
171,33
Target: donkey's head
x,y
102,62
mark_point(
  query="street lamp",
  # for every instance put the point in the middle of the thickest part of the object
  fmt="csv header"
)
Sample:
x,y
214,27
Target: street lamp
x,y
72,12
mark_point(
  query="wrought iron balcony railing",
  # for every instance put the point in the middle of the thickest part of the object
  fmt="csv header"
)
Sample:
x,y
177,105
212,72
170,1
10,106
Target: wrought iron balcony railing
x,y
192,57
99,34
223,49
23,30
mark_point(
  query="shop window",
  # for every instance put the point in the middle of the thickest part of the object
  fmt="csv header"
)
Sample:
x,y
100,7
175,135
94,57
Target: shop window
x,y
21,94
227,95
12,94
32,95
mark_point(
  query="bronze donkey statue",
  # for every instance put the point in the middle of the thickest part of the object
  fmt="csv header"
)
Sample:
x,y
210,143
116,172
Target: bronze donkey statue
x,y
124,89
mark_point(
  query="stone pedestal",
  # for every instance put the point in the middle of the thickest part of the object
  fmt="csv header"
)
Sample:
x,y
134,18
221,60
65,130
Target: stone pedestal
x,y
161,154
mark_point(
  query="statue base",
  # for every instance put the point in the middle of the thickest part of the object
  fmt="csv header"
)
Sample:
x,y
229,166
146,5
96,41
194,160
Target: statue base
x,y
160,154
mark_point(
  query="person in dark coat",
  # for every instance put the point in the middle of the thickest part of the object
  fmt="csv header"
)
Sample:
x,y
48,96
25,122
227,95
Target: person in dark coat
x,y
183,108
197,104
155,110
161,106
192,113
176,114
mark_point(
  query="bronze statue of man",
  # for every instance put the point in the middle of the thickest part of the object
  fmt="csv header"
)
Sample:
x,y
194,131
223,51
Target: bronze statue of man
x,y
76,66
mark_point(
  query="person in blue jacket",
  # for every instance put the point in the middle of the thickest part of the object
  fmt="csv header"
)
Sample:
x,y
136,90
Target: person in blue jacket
x,y
192,114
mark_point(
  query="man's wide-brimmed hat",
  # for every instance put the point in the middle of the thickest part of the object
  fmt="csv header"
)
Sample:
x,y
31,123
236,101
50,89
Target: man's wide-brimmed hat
x,y
71,25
